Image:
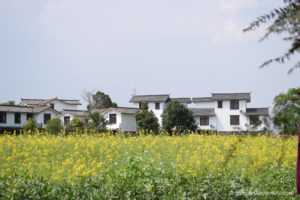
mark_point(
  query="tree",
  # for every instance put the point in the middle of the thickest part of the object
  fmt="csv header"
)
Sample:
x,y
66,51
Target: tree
x,y
286,21
146,120
30,125
177,117
97,122
9,103
287,111
54,126
98,100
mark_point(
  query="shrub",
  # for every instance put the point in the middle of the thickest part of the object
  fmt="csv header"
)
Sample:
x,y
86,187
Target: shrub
x,y
146,119
54,126
30,125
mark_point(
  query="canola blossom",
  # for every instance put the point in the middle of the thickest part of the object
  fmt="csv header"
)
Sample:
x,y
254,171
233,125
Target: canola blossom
x,y
154,162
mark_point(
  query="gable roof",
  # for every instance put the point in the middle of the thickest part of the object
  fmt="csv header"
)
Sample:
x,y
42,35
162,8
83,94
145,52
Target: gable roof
x,y
257,111
25,109
201,99
149,98
182,100
230,96
203,111
34,102
123,110
20,109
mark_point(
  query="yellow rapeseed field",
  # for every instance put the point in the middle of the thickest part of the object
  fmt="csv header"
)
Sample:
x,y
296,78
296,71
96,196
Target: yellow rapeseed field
x,y
69,157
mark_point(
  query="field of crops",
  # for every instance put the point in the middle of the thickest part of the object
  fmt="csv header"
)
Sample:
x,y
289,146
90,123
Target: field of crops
x,y
147,167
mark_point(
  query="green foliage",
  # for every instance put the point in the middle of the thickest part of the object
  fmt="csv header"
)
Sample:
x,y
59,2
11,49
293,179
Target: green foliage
x,y
287,111
176,117
75,124
9,103
286,21
54,126
146,120
99,100
97,122
30,125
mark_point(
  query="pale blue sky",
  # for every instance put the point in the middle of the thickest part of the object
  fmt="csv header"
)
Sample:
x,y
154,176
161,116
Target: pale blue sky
x,y
187,48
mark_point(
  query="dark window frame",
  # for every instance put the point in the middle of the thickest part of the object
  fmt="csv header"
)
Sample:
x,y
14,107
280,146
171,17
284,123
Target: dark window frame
x,y
29,115
112,118
220,104
234,104
46,117
157,106
254,119
204,120
234,120
17,118
67,120
52,105
3,117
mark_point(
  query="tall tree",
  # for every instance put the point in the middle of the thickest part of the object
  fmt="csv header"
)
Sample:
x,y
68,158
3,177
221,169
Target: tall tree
x,y
286,22
98,100
177,117
287,111
146,120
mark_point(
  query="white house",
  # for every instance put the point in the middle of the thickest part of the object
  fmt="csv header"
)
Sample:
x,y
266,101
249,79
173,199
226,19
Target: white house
x,y
14,117
120,119
221,112
230,112
156,103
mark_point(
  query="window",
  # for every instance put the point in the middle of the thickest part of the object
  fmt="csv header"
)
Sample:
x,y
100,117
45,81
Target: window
x,y
234,120
66,120
47,117
112,118
3,117
204,121
17,118
220,104
52,105
29,115
254,120
157,106
234,105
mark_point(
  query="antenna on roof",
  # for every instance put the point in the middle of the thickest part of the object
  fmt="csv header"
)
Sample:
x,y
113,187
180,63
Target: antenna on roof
x,y
133,90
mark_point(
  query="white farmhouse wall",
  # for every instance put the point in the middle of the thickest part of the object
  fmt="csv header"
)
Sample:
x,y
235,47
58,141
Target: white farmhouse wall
x,y
211,126
39,118
128,122
10,120
71,118
223,117
118,122
60,106
209,104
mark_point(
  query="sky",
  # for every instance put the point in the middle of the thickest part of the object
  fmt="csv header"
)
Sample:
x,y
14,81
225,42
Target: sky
x,y
186,48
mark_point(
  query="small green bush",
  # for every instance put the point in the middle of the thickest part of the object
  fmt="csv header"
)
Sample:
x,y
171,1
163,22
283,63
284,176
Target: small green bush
x,y
54,126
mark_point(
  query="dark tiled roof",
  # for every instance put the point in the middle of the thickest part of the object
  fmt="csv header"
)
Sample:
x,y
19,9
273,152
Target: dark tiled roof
x,y
21,109
75,113
123,110
149,98
35,102
201,99
25,109
203,111
182,100
231,96
257,111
